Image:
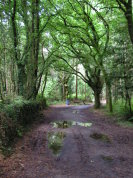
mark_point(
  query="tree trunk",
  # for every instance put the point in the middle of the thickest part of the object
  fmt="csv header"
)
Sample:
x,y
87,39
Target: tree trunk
x,y
21,69
129,18
45,83
21,79
109,97
34,51
76,83
85,91
97,99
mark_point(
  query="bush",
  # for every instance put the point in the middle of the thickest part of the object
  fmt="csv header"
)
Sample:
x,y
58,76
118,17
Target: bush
x,y
7,130
121,109
19,113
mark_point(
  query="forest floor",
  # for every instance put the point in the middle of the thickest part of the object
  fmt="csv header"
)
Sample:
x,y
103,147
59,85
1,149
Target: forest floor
x,y
90,147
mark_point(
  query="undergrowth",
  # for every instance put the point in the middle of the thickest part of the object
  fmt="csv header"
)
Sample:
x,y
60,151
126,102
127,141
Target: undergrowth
x,y
121,112
15,117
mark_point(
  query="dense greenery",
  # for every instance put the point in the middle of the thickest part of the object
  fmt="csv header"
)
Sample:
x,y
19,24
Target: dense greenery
x,y
15,118
67,49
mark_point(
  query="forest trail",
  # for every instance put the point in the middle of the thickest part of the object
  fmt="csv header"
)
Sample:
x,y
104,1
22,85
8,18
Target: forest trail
x,y
93,146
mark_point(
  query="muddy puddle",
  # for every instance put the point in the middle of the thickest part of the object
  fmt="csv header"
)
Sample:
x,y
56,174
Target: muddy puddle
x,y
101,137
75,112
55,139
68,124
55,142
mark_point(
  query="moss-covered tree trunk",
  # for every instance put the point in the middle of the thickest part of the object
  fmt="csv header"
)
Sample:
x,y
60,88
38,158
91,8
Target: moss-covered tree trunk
x,y
109,96
21,79
20,67
97,99
95,81
34,51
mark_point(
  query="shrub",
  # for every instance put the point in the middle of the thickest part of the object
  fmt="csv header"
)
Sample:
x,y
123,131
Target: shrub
x,y
7,130
19,113
121,109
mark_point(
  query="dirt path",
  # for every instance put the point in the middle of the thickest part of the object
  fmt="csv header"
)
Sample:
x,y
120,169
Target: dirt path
x,y
74,150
